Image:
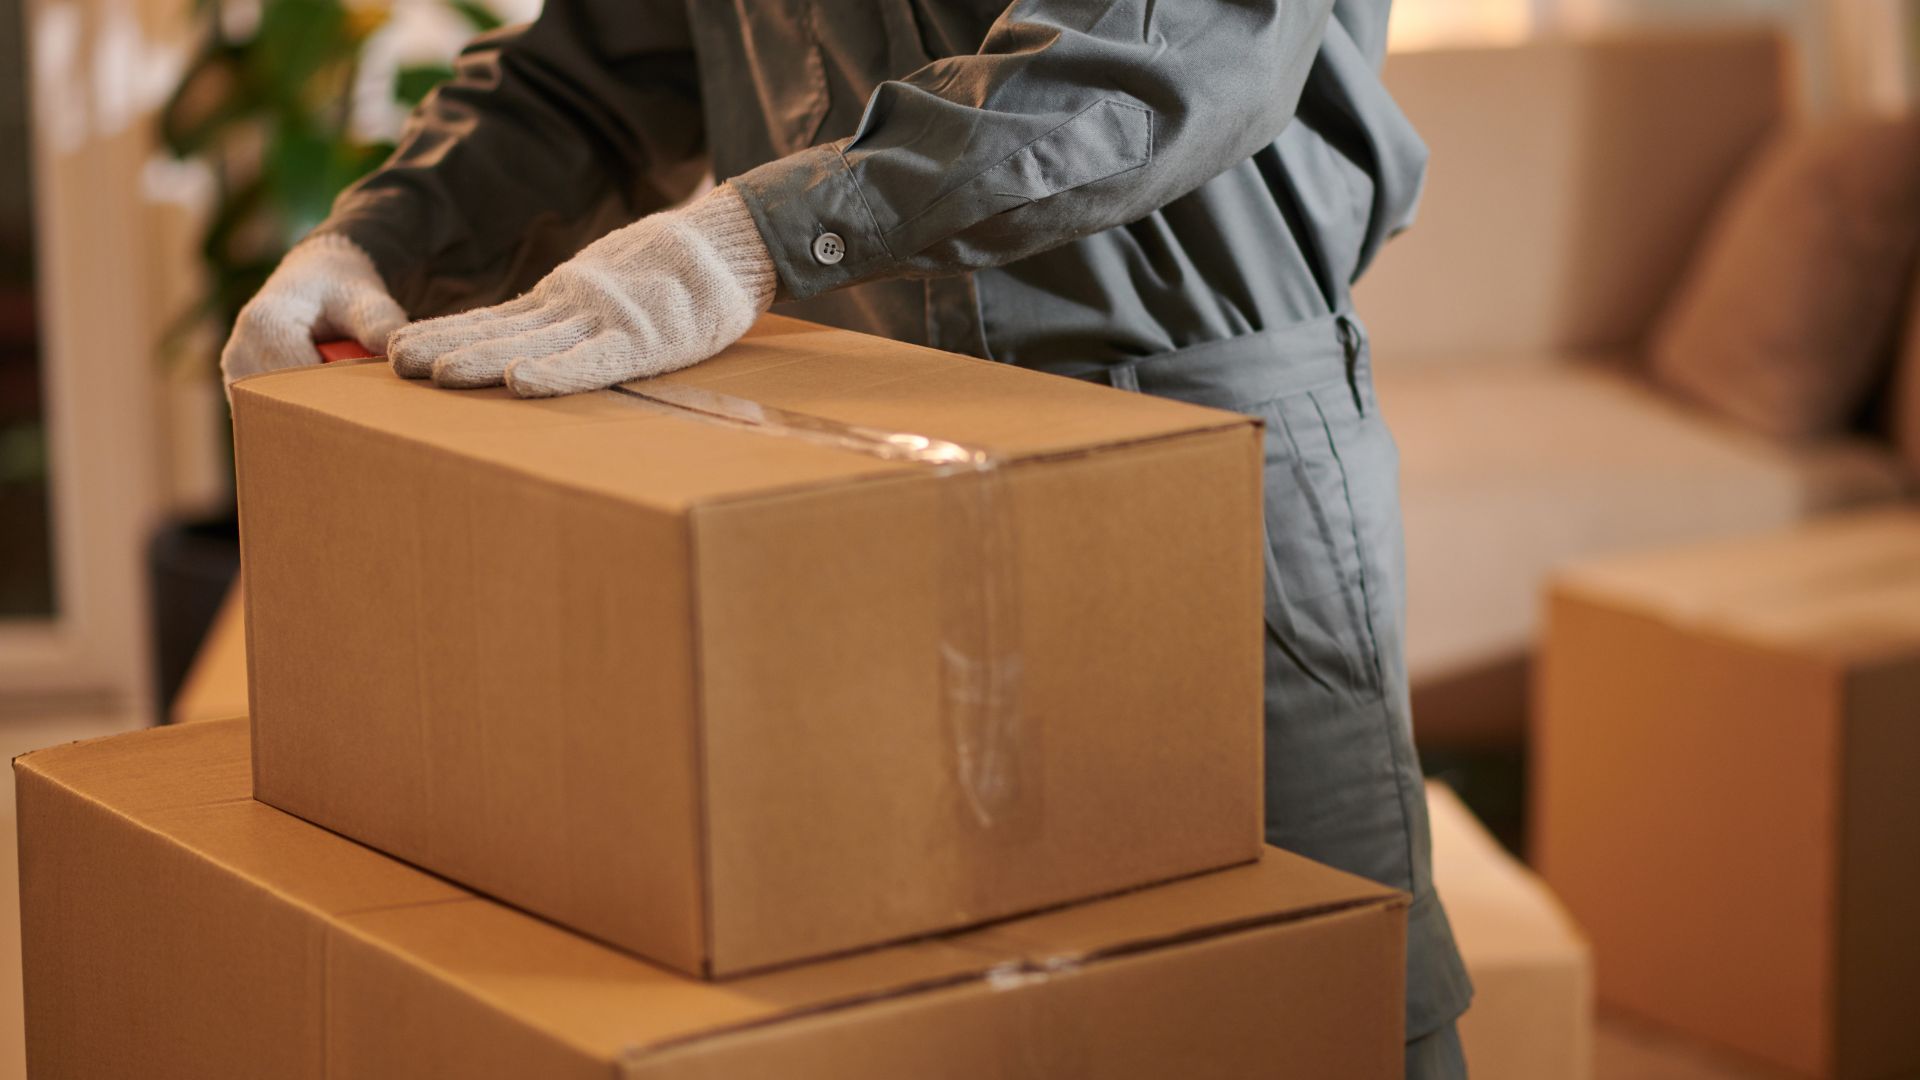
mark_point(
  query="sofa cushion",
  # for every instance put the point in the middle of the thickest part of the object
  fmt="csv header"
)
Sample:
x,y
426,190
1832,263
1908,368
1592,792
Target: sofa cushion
x,y
1571,179
1513,465
1787,312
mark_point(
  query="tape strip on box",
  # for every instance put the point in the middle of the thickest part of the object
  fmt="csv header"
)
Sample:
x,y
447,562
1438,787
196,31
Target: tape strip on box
x,y
980,659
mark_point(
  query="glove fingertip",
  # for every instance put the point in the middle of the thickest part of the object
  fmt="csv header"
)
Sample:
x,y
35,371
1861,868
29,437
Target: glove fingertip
x,y
529,384
254,359
408,368
412,348
378,336
406,362
543,377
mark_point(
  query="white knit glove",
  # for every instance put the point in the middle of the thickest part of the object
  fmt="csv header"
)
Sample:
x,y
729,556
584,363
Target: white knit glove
x,y
666,292
325,289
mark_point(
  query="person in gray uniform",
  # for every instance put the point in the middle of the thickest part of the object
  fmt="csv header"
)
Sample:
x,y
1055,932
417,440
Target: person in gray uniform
x,y
1167,196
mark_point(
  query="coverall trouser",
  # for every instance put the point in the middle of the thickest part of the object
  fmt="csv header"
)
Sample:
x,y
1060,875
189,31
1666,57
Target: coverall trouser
x,y
1343,782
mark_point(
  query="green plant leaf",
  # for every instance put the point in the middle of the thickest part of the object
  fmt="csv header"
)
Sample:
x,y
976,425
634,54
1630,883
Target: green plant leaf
x,y
350,162
296,41
300,172
479,15
270,113
412,84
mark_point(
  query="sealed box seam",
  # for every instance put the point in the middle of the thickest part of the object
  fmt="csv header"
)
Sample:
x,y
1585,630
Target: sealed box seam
x,y
1227,422
997,973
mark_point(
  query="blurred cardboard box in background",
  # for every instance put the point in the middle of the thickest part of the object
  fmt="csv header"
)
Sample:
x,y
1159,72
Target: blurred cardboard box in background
x,y
1726,737
216,684
1532,1013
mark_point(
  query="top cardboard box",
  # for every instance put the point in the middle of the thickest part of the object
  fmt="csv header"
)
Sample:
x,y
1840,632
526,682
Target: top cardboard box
x,y
734,693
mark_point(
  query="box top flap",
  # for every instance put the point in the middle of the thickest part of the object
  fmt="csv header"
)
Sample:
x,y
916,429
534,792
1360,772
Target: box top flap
x,y
1847,587
638,449
191,785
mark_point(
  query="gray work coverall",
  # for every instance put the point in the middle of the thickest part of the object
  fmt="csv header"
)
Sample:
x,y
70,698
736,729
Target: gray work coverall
x,y
1171,196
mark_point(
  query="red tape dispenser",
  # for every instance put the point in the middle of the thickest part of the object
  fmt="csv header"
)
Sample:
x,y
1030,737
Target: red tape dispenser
x,y
344,349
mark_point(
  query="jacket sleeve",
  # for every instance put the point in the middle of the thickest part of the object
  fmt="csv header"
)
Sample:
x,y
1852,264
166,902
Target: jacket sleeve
x,y
548,136
1074,116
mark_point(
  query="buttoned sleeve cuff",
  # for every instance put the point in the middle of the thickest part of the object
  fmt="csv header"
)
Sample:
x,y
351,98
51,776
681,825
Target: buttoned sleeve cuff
x,y
815,221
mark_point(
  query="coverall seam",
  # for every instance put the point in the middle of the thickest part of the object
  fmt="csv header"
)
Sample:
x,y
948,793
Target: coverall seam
x,y
1379,705
1323,526
1272,403
860,190
1363,611
1029,144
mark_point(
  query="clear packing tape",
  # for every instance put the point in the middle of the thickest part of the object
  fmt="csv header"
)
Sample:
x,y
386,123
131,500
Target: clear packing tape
x,y
980,596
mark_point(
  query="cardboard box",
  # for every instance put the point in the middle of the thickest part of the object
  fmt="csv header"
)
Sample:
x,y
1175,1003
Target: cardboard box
x,y
1532,1014
699,688
1724,757
176,928
216,684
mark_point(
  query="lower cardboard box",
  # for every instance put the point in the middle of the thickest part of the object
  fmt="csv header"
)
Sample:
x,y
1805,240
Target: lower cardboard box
x,y
175,927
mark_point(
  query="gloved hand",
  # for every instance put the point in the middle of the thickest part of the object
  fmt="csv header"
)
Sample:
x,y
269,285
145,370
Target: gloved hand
x,y
326,288
665,292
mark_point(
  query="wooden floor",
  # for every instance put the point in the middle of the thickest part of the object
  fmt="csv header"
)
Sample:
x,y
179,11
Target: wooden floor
x,y
1624,1049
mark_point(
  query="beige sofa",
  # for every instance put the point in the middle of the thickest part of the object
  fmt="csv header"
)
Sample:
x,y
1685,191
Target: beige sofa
x,y
1569,183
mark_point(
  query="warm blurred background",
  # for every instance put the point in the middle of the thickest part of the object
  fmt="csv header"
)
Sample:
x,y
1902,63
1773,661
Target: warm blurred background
x,y
1602,170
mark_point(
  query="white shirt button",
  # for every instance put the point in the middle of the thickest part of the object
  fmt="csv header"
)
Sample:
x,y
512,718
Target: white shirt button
x,y
828,248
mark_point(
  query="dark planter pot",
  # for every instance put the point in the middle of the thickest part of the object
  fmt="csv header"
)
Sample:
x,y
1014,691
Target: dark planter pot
x,y
190,565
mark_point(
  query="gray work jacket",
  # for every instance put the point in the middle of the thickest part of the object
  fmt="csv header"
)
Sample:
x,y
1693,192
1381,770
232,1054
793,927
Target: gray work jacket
x,y
1062,184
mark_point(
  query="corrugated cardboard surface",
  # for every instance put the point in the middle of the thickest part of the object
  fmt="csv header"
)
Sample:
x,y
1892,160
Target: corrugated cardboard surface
x,y
1532,1014
679,684
176,928
1717,796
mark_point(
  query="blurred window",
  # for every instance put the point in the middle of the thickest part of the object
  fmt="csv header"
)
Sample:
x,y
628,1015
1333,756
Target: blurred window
x,y
26,549
1852,54
1425,24
1429,24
